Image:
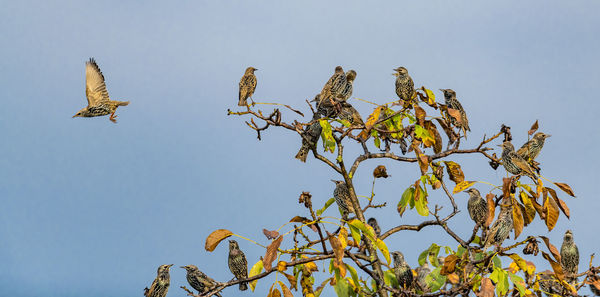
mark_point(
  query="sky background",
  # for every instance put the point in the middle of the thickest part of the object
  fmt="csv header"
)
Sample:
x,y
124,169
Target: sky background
x,y
93,208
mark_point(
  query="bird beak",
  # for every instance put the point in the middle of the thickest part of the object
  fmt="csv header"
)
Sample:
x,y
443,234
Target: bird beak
x,y
548,135
170,265
183,267
442,90
333,181
74,116
500,145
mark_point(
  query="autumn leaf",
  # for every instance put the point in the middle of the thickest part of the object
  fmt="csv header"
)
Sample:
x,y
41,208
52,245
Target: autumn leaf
x,y
455,172
383,249
528,208
213,240
291,279
420,115
558,272
338,250
453,278
463,185
255,270
430,96
270,234
551,211
446,128
553,250
343,237
370,122
565,188
281,266
299,219
274,292
380,171
561,204
449,264
487,288
517,218
533,128
423,161
327,204
327,136
491,208
286,291
271,253
432,129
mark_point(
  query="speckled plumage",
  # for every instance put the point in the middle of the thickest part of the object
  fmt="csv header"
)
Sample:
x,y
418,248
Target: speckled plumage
x,y
238,265
402,271
569,256
501,228
422,272
373,223
532,148
350,114
477,207
452,102
513,163
548,284
247,86
160,285
405,87
99,103
333,89
342,198
198,280
348,87
312,134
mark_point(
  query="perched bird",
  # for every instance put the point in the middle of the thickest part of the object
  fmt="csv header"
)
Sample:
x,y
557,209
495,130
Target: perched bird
x,y
342,198
99,104
350,114
310,138
422,273
531,149
247,86
405,87
549,285
501,228
333,90
198,280
569,256
477,206
594,289
347,91
514,163
161,283
402,271
373,223
238,264
452,102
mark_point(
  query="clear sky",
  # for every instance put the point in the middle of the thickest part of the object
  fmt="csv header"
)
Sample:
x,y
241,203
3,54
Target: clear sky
x,y
92,208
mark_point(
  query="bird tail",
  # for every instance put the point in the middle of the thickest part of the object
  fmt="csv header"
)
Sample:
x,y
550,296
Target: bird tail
x,y
302,153
243,286
122,103
242,102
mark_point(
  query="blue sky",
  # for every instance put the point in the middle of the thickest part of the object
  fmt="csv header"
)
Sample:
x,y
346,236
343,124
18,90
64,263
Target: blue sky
x,y
93,208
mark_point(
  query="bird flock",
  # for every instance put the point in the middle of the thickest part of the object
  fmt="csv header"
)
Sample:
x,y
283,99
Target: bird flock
x,y
332,102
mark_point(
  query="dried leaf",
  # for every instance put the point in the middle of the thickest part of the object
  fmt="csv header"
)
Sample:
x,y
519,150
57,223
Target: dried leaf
x,y
338,250
370,122
449,264
446,128
487,288
563,206
437,146
271,253
518,221
463,185
274,292
343,237
453,278
270,234
299,219
553,250
533,128
551,211
455,172
420,115
286,291
528,208
293,280
565,188
491,208
213,240
558,272
380,171
423,161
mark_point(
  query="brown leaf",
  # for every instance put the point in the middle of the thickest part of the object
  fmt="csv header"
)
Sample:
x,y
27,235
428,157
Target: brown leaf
x,y
305,198
380,171
561,204
286,291
338,250
528,208
271,253
518,221
565,188
453,278
270,234
213,240
449,264
533,128
437,146
506,186
299,219
423,161
551,211
487,288
553,250
455,114
420,115
491,208
446,128
293,281
370,123
539,209
455,172
274,293
558,272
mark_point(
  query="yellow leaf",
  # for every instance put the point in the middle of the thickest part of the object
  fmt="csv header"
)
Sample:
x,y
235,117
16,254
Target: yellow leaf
x,y
213,240
327,136
281,266
517,217
463,185
370,122
555,266
430,96
455,172
491,208
551,211
384,249
286,291
255,270
343,237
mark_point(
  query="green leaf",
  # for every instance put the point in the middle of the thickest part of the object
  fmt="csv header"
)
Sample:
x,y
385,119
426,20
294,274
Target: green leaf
x,y
518,283
389,278
500,278
353,274
327,204
355,232
407,196
256,269
434,251
341,287
366,229
497,262
435,280
327,136
421,203
376,139
423,257
384,249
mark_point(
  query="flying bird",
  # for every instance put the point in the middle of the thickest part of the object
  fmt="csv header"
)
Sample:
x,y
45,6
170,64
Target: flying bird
x,y
160,285
238,265
247,86
99,104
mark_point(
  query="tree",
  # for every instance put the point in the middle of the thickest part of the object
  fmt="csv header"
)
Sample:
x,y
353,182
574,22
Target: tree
x,y
360,261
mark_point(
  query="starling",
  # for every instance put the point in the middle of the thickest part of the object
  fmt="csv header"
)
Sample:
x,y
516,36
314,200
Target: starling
x,y
373,223
593,288
477,206
514,163
350,114
99,104
347,91
452,102
501,228
422,273
531,149
247,86
549,285
402,271
309,141
405,87
238,264
198,280
333,89
342,198
569,256
161,283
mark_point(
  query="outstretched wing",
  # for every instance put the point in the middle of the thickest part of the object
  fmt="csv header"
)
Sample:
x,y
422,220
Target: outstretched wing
x,y
95,88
